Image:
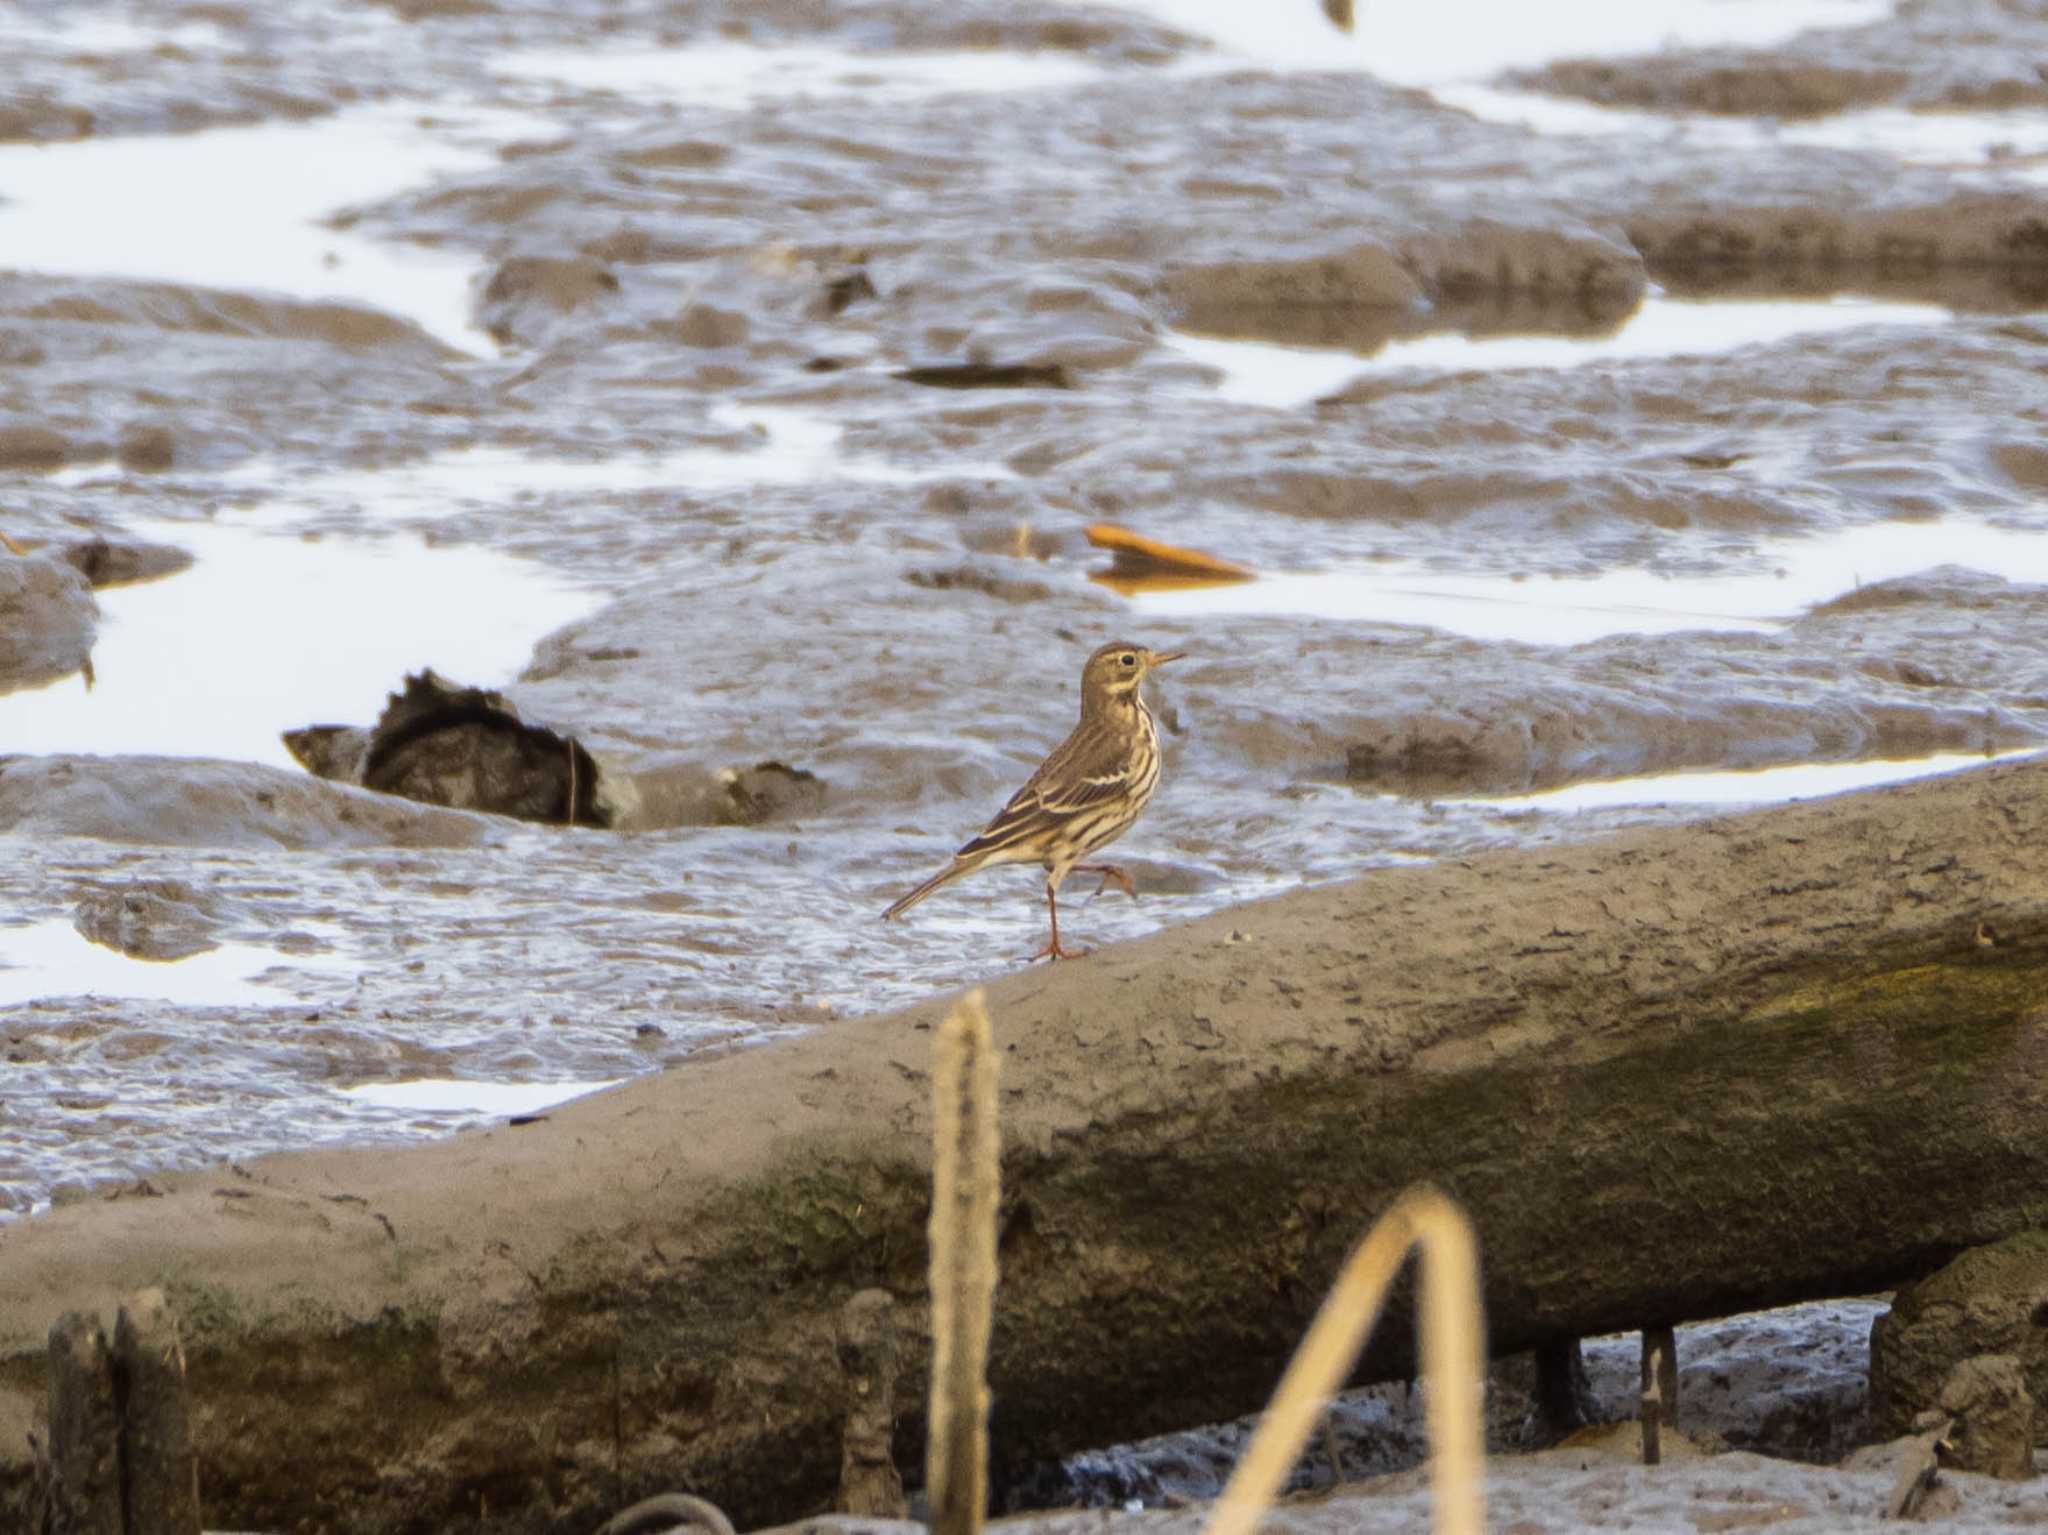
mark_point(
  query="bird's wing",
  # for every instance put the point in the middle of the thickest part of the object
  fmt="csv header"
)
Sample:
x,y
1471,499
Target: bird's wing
x,y
1077,775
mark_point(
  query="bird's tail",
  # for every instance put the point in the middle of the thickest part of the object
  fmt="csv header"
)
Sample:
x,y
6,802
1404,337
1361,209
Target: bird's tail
x,y
945,876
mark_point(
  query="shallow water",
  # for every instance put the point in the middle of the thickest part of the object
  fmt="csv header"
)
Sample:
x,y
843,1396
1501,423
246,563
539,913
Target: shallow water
x,y
1469,39
735,76
271,630
1759,585
466,1100
52,959
1286,377
2010,142
768,445
247,207
1760,786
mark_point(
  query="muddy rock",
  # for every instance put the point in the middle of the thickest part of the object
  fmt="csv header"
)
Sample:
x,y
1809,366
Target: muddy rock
x,y
1216,297
36,449
979,374
151,919
526,295
1632,704
330,751
147,449
1927,55
685,794
1993,1416
190,802
1486,256
2002,231
980,578
48,620
1991,1300
704,325
1718,83
441,743
116,562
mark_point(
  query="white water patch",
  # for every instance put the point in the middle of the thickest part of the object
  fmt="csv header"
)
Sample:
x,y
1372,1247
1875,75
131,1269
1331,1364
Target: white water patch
x,y
269,631
452,1095
1413,44
53,959
1778,580
244,207
1287,377
2014,140
784,445
1757,786
732,77
105,34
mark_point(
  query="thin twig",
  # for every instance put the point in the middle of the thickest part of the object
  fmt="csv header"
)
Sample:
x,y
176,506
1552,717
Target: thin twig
x,y
1452,1331
966,1185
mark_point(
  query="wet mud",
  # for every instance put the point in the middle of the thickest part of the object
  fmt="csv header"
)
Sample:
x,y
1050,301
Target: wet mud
x,y
680,362
1928,56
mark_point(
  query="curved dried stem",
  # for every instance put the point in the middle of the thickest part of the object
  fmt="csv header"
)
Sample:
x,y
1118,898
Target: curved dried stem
x,y
966,1184
1453,1332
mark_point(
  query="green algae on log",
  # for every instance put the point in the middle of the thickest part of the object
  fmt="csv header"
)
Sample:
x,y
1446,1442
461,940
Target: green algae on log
x,y
1671,1073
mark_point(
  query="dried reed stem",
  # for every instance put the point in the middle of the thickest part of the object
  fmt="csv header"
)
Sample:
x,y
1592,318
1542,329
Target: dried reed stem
x,y
1452,1354
966,1183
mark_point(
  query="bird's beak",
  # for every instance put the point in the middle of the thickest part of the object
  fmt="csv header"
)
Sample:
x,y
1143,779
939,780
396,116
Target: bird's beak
x,y
1154,658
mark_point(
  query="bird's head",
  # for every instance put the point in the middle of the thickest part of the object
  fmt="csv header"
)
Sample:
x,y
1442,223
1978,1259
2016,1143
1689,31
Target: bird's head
x,y
1114,672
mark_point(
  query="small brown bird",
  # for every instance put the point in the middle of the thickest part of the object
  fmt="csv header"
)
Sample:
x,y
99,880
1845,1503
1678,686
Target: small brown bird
x,y
1083,797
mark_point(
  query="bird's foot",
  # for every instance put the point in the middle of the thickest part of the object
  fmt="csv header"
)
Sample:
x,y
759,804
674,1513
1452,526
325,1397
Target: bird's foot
x,y
1054,950
1111,875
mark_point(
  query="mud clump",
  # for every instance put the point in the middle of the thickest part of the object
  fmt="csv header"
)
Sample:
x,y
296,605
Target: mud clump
x,y
688,795
527,295
1565,279
978,578
441,743
1991,1300
2000,232
190,802
702,325
147,450
48,620
107,562
1761,89
1993,1415
151,919
33,449
988,375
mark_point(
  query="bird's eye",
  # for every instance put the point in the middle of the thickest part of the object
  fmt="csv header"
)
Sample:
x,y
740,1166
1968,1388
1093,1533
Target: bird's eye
x,y
1128,659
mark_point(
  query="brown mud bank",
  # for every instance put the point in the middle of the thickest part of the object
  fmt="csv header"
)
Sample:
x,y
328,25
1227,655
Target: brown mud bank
x,y
1927,55
1674,1074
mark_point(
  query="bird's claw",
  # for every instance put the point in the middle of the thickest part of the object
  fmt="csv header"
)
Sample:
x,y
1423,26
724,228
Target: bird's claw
x,y
1056,951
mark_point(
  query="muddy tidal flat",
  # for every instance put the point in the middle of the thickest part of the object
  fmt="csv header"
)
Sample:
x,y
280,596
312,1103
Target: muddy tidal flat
x,y
731,384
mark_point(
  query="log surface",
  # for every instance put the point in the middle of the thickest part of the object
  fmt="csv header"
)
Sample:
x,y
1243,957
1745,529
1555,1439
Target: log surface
x,y
1673,1073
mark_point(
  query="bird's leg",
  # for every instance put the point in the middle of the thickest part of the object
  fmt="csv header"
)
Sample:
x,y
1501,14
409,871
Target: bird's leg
x,y
1111,875
1052,950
